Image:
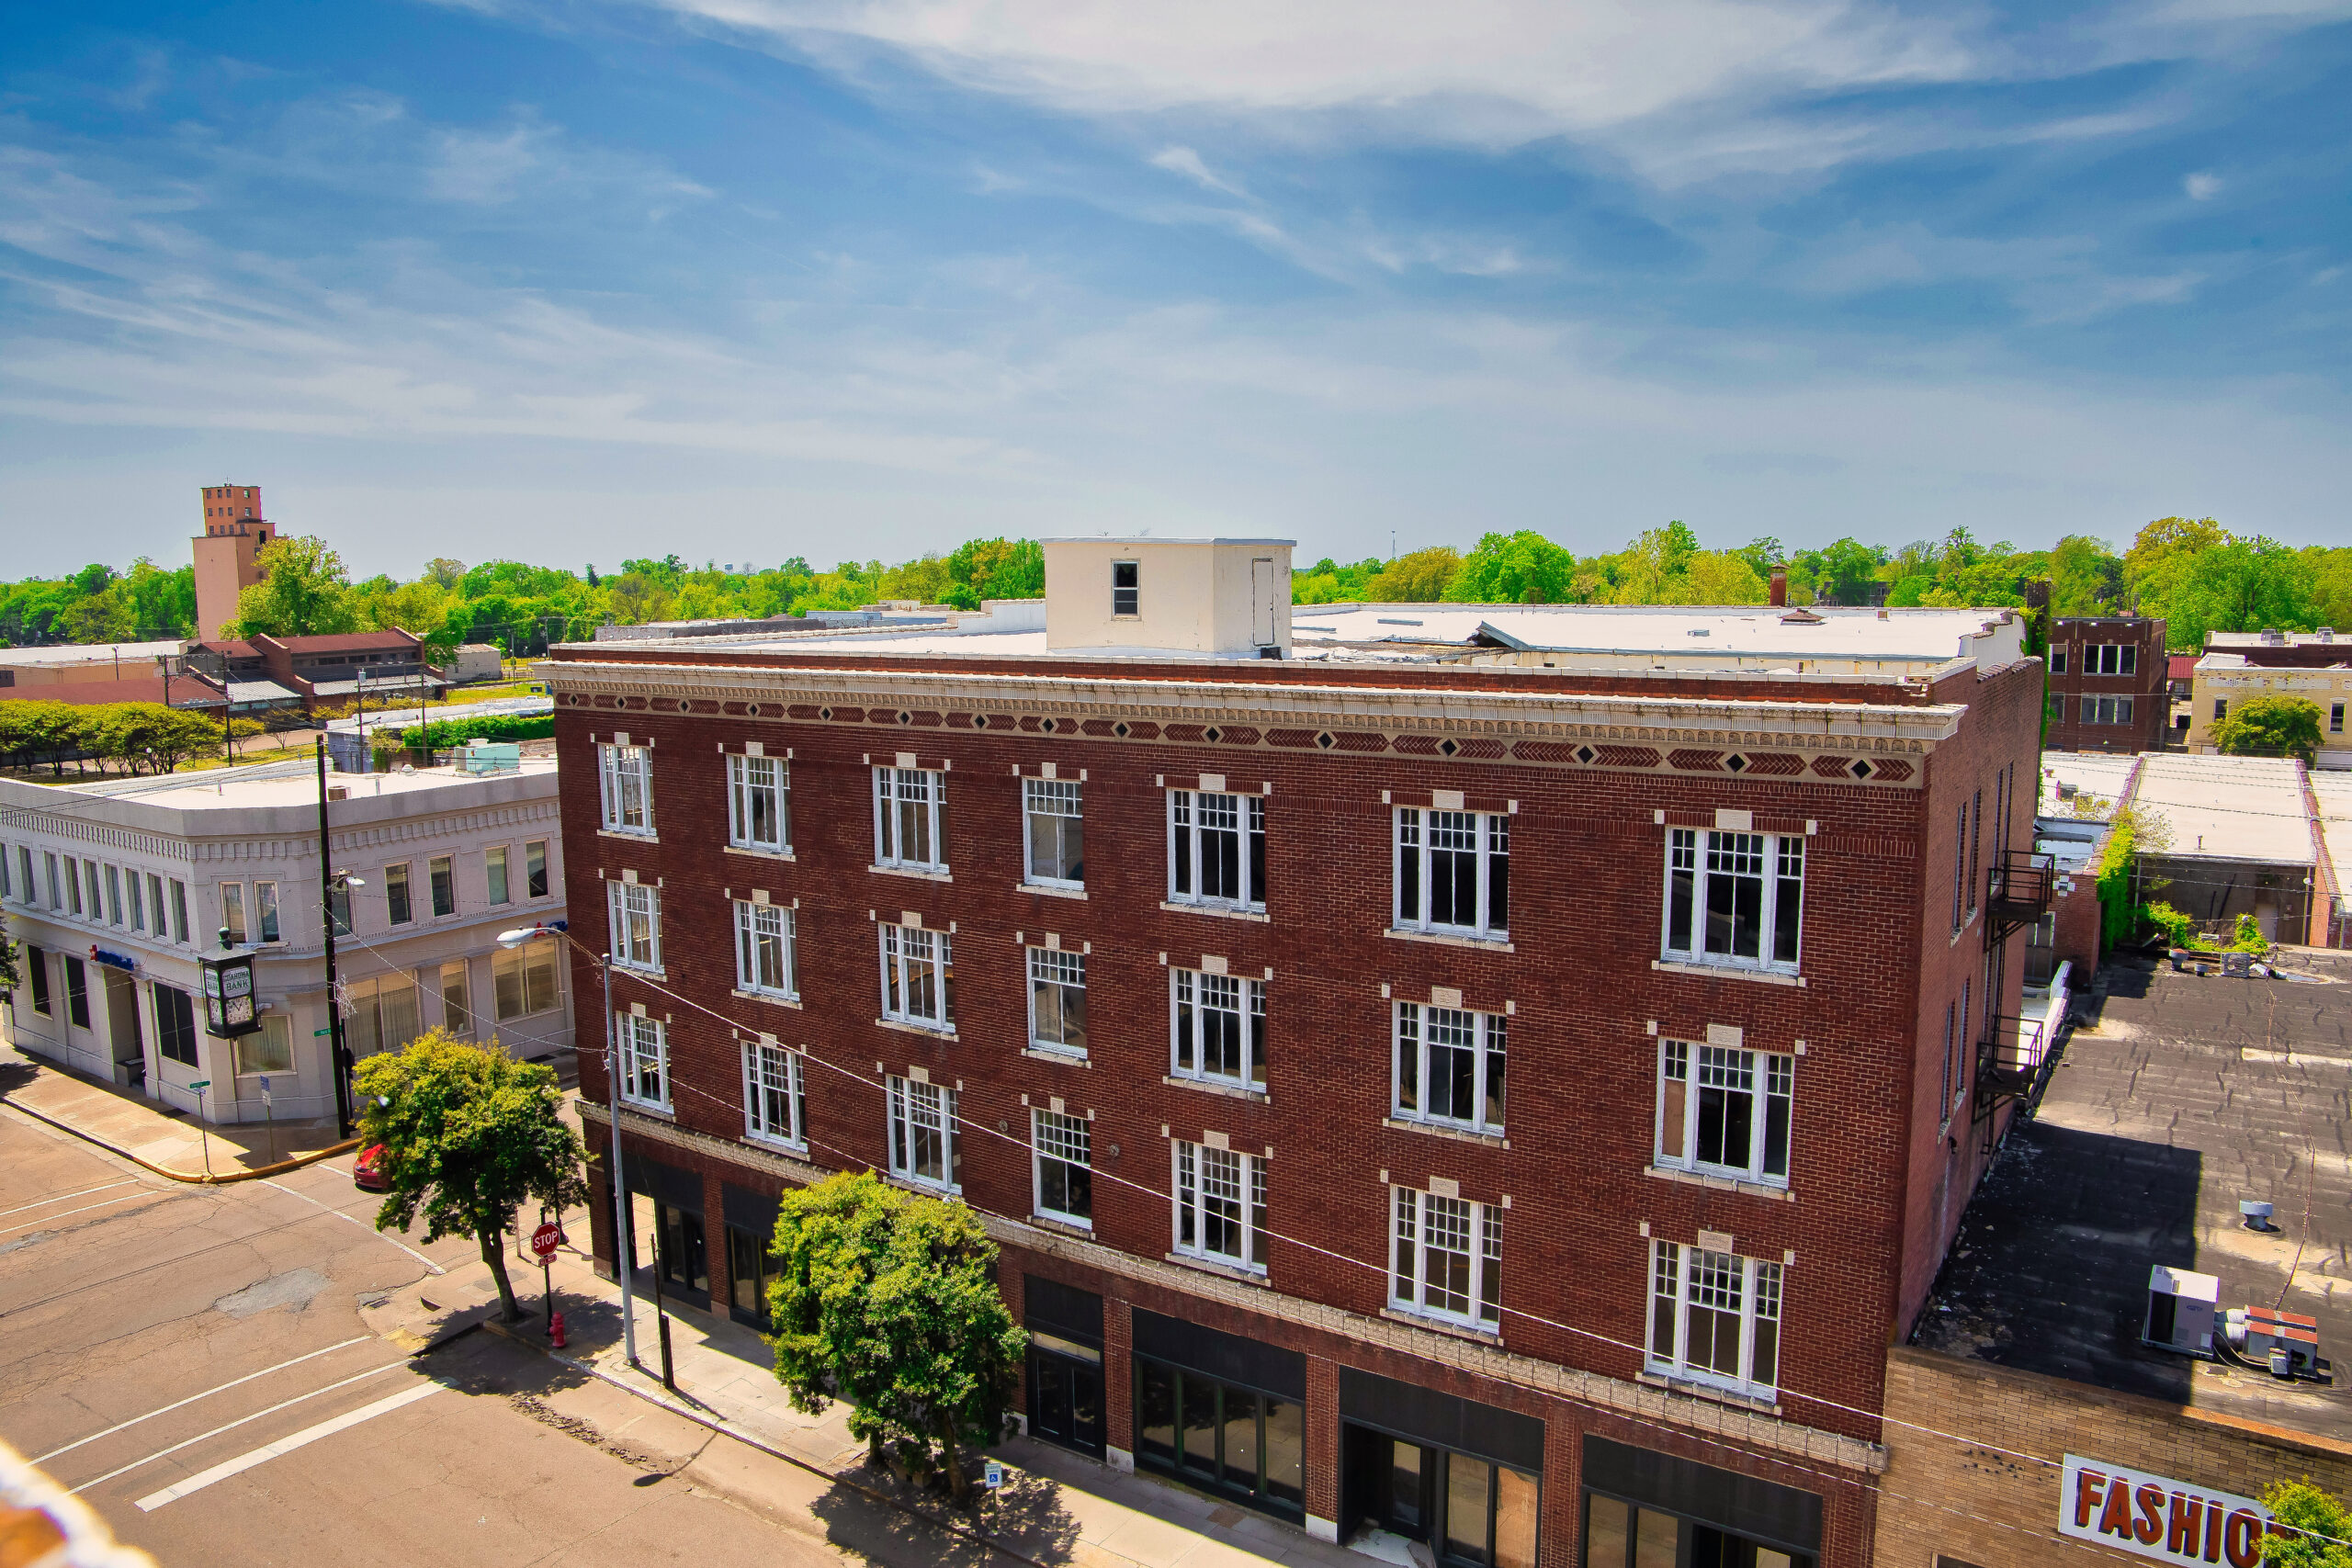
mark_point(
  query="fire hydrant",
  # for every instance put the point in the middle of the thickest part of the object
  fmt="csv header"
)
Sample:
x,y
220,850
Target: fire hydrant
x,y
555,1329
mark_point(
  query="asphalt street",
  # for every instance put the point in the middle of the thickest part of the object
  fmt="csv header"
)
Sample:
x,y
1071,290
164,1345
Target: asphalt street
x,y
192,1360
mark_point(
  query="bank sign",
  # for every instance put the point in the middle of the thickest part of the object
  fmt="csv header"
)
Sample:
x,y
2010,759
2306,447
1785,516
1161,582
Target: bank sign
x,y
2154,1516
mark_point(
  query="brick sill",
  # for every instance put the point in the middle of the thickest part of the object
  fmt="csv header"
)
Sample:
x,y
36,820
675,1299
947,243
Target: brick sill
x,y
1725,971
1436,1130
1221,911
627,969
1442,1325
1446,939
1710,1393
1226,1270
1062,1227
1230,1091
1721,1183
768,997
1067,1059
931,1031
915,871
1048,890
783,854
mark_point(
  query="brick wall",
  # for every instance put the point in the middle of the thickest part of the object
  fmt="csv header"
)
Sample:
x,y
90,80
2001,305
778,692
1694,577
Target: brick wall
x,y
2146,685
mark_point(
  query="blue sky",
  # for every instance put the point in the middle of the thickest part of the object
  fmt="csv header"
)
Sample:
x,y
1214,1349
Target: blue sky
x,y
571,280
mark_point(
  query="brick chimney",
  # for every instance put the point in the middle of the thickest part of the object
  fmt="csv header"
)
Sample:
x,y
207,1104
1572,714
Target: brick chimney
x,y
1779,585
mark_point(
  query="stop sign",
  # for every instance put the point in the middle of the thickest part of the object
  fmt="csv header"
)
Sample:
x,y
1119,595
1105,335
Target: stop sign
x,y
545,1240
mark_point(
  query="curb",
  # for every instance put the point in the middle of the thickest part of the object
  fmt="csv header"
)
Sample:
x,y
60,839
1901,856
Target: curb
x,y
589,1369
199,1178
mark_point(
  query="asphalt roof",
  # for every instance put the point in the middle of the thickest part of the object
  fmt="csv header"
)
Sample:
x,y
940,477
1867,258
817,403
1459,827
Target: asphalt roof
x,y
2184,1095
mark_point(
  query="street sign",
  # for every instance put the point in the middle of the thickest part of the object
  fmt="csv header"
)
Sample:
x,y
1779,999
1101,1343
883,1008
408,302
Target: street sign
x,y
321,1033
546,1239
995,1474
264,1091
201,1085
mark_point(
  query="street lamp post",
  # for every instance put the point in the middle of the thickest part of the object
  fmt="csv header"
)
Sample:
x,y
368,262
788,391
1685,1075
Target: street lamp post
x,y
621,1266
338,1054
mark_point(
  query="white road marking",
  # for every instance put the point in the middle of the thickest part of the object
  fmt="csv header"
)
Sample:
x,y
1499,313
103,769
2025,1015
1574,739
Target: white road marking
x,y
192,1399
65,1213
239,1421
363,1224
303,1439
61,1197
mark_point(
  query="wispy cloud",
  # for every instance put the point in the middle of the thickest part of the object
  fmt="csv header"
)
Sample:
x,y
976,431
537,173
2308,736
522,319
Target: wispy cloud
x,y
1185,161
2202,186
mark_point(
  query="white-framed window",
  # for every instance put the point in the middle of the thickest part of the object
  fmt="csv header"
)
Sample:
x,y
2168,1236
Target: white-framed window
x,y
97,908
918,976
766,955
493,874
1715,1317
1218,1028
911,819
1453,872
1734,898
2058,660
1065,1166
634,909
526,980
1447,1258
1057,1000
265,909
441,880
48,859
1725,1111
1054,832
2107,710
399,908
1221,1205
645,1060
179,910
1126,588
923,1146
1449,1066
28,891
625,784
114,896
233,912
759,803
776,1108
1217,849
133,893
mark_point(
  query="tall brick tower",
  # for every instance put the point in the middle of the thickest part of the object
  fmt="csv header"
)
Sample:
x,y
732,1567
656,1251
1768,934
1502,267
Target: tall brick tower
x,y
226,554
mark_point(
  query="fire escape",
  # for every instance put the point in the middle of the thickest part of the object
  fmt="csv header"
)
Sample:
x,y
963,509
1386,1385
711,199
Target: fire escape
x,y
2010,1064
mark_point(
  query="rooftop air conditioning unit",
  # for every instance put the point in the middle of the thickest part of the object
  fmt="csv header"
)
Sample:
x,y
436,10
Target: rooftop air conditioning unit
x,y
2286,1342
2180,1311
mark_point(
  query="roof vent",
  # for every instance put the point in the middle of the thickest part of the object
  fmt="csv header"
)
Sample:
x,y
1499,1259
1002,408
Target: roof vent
x,y
2273,637
2327,634
2256,1214
1699,631
1801,616
2180,1310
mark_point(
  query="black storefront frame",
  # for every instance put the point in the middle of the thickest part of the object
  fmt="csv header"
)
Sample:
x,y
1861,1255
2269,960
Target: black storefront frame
x,y
748,1222
1218,1362
674,1191
1759,1514
1065,1326
1443,1427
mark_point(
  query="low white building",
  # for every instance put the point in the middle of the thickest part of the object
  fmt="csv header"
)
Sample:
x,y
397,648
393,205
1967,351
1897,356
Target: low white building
x,y
114,891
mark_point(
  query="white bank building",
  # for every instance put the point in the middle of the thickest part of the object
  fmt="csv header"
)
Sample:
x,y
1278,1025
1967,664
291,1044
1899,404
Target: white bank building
x,y
113,891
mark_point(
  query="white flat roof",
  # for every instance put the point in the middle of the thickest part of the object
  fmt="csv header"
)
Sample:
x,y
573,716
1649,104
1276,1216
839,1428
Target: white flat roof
x,y
1750,630
89,652
2091,776
285,783
2247,808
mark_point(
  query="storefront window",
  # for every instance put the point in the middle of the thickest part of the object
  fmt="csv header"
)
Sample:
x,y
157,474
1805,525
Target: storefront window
x,y
749,1270
1620,1535
1239,1441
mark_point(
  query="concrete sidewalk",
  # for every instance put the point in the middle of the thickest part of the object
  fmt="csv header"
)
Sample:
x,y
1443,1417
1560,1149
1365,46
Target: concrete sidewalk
x,y
130,1123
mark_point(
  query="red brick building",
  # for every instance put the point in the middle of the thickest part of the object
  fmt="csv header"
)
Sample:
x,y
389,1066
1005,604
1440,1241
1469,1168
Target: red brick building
x,y
1197,975
2107,684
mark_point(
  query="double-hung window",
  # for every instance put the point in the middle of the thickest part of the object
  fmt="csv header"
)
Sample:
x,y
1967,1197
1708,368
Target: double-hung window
x,y
1218,1028
265,911
97,908
775,1108
1054,830
1447,1262
1450,1067
1057,1000
759,799
625,784
441,878
917,978
535,865
1453,872
1736,899
1221,1206
1065,1154
645,1060
764,955
923,1134
114,896
232,913
1217,849
633,910
493,874
2110,658
1715,1317
131,892
2107,710
911,819
399,908
1723,1111
525,980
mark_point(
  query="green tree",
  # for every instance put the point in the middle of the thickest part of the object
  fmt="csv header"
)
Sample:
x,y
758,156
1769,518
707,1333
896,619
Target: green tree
x,y
1420,578
1523,567
104,616
470,1136
890,1302
303,591
10,977
33,728
2274,724
2322,1523
2239,585
989,569
2085,578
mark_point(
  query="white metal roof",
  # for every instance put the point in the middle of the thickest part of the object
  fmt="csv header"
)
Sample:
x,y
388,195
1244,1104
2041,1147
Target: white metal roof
x,y
90,652
2246,808
2084,784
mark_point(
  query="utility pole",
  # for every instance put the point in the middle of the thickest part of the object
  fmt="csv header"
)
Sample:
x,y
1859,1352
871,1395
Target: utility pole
x,y
338,1059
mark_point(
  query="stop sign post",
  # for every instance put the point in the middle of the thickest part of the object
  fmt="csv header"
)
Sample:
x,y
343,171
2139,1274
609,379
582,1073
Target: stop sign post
x,y
544,1242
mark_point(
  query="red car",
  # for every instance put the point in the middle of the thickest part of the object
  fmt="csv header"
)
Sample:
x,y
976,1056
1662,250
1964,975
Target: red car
x,y
368,1170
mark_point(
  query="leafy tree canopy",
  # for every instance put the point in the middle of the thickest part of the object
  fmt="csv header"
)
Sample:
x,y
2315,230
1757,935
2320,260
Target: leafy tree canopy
x,y
2276,723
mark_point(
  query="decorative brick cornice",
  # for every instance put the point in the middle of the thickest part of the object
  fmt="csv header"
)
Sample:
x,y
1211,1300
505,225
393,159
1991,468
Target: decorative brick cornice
x,y
1766,1433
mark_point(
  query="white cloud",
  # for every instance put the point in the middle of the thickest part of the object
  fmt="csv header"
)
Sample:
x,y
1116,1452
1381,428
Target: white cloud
x,y
1185,161
2202,186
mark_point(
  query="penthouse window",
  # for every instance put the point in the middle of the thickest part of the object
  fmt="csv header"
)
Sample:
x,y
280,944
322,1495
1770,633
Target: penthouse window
x,y
1448,1258
1724,1112
922,1135
633,910
759,801
1054,832
1450,1067
1217,849
1126,588
764,956
1221,1206
1218,1029
1714,1317
1733,899
1454,872
911,819
917,978
625,784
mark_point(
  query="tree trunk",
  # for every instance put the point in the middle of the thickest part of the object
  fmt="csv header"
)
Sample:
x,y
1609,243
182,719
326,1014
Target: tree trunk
x,y
959,1486
495,1256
